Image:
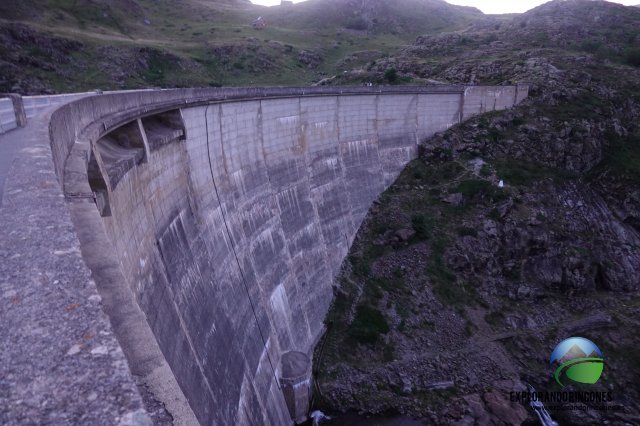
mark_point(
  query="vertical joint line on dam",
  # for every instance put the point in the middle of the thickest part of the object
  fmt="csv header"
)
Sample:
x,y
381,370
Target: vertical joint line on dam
x,y
233,249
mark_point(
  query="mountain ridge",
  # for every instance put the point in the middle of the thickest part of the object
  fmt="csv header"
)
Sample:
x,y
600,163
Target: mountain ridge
x,y
213,40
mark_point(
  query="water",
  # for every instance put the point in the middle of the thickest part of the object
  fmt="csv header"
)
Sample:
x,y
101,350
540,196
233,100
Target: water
x,y
543,414
353,419
317,417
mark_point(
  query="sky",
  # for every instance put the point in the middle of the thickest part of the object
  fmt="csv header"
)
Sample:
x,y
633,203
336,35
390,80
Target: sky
x,y
487,6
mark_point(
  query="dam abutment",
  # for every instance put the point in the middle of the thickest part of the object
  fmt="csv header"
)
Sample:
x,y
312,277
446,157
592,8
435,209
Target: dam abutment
x,y
226,214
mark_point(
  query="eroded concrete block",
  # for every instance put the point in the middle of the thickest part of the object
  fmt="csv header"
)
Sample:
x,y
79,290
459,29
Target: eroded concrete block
x,y
296,384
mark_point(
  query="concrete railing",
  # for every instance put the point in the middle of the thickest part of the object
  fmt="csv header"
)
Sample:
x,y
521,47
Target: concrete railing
x,y
68,121
12,114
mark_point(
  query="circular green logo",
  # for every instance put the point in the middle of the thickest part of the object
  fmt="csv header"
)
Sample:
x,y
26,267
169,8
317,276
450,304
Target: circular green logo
x,y
577,359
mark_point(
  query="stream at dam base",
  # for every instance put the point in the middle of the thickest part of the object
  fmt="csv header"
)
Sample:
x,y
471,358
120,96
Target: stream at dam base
x,y
355,419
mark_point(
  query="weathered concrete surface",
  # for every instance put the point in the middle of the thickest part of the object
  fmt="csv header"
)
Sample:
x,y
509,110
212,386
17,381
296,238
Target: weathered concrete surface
x,y
295,381
8,117
145,359
60,361
9,144
230,227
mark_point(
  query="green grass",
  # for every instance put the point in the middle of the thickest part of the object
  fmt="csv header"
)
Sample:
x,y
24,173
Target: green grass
x,y
633,57
524,173
585,104
621,158
359,266
494,319
467,231
388,353
494,214
418,172
422,225
479,189
191,30
446,287
342,302
473,187
158,68
391,75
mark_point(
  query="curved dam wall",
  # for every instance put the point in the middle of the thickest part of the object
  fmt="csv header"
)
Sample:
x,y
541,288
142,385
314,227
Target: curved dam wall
x,y
230,211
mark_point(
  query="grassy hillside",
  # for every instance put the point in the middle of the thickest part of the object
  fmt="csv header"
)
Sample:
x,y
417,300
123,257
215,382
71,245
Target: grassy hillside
x,y
65,45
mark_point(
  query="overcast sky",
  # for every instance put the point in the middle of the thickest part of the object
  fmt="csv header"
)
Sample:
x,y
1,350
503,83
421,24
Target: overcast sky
x,y
487,6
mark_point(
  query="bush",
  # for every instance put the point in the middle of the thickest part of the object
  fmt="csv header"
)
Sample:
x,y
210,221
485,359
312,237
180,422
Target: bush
x,y
421,226
357,23
464,231
633,57
518,172
494,214
591,46
368,325
472,187
494,318
391,75
517,121
622,158
445,287
388,353
359,266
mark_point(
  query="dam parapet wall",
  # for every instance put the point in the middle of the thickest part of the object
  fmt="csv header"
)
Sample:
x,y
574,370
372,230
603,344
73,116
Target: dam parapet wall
x,y
226,214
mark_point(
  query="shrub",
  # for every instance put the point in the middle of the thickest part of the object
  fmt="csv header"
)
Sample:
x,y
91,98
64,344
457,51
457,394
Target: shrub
x,y
494,214
388,353
391,75
357,23
494,318
359,266
518,172
464,231
622,158
517,121
472,187
591,46
633,57
421,226
368,325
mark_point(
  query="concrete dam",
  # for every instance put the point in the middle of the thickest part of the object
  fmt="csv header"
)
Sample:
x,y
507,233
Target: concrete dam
x,y
211,224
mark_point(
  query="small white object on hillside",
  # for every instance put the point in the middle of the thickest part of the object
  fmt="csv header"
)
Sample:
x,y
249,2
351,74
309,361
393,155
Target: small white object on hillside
x,y
501,184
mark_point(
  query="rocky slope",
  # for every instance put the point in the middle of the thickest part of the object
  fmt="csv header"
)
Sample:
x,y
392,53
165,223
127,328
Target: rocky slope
x,y
495,50
457,290
380,16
